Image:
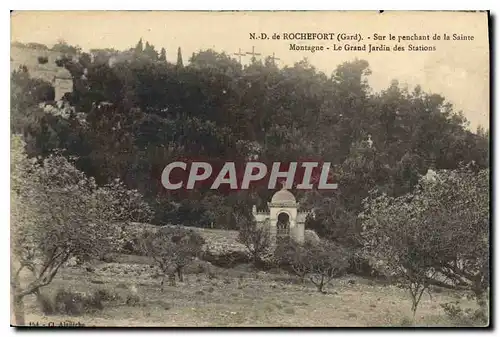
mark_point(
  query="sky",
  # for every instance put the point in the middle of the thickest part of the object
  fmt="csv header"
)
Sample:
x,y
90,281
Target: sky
x,y
457,69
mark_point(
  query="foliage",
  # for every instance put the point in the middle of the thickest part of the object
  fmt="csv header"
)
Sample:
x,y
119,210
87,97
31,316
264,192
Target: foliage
x,y
437,234
67,302
27,91
293,256
58,213
64,48
321,262
179,58
466,317
42,59
327,261
172,249
163,55
142,113
254,237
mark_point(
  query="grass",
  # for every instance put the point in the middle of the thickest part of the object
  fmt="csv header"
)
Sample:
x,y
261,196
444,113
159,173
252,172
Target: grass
x,y
238,298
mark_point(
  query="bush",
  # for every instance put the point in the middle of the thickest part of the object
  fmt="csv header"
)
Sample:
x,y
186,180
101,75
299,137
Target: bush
x,y
46,304
321,262
133,300
74,304
171,248
107,295
327,261
226,259
108,258
465,317
43,59
406,322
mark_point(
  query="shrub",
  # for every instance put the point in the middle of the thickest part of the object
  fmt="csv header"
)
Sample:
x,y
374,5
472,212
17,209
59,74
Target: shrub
x,y
43,59
322,262
108,258
133,300
172,249
74,304
107,295
466,317
211,275
327,261
292,257
46,304
406,321
226,259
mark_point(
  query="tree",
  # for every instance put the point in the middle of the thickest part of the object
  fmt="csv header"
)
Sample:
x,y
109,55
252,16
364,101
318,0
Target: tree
x,y
254,237
64,48
42,59
293,256
436,234
35,45
172,249
214,108
163,55
58,213
179,58
139,47
327,261
150,52
26,93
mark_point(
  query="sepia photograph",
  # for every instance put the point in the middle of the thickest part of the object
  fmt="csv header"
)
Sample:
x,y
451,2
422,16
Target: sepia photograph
x,y
250,169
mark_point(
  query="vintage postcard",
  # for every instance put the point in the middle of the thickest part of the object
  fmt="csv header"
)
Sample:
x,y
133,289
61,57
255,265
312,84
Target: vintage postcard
x,y
250,169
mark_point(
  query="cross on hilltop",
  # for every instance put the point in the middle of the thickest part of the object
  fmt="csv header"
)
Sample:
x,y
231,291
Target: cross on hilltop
x,y
253,53
273,58
240,54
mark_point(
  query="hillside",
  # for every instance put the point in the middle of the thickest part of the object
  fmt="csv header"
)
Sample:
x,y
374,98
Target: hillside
x,y
217,240
29,58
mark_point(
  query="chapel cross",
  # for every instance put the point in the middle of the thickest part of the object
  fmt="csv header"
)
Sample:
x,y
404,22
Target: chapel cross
x,y
253,53
273,58
239,54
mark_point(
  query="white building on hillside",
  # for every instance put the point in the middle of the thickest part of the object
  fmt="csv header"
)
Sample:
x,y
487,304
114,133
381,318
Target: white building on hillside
x,y
282,218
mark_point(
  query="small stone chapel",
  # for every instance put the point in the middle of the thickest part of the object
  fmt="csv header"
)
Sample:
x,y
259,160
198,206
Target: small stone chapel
x,y
282,217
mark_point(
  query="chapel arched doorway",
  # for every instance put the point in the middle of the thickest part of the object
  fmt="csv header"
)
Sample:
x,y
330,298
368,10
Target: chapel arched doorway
x,y
283,225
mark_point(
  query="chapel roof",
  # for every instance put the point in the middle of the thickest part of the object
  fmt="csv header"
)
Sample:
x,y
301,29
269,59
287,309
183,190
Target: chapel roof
x,y
283,196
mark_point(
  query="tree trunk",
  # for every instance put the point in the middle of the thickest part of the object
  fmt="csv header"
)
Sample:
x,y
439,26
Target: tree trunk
x,y
414,305
19,310
17,306
16,302
320,285
303,279
171,279
179,274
